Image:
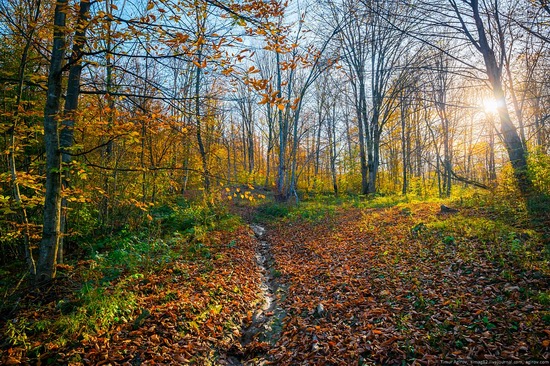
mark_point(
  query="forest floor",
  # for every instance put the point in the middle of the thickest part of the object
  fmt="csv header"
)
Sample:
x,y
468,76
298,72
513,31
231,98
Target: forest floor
x,y
408,283
319,285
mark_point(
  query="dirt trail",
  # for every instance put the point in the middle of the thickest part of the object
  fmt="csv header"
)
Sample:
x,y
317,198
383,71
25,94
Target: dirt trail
x,y
266,321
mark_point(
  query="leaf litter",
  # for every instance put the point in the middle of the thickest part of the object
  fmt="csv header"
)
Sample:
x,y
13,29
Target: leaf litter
x,y
391,293
375,286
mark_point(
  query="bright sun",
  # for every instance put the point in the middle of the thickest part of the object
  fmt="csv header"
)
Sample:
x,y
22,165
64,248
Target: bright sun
x,y
490,105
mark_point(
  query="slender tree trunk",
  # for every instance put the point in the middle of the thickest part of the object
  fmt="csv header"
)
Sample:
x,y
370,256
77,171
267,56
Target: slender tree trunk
x,y
404,158
283,132
108,155
244,150
233,132
250,137
198,121
361,123
269,143
318,144
13,146
144,107
373,151
228,148
332,149
374,164
492,165
294,152
66,135
348,138
447,157
438,170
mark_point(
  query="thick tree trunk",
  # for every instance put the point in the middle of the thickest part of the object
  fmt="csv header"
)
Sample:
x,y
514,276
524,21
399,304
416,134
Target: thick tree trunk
x,y
51,232
511,138
57,143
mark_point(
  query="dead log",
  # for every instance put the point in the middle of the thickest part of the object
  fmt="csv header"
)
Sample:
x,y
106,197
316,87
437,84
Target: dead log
x,y
446,209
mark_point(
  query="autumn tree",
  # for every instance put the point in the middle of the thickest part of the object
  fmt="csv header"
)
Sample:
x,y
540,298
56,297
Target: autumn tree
x,y
486,37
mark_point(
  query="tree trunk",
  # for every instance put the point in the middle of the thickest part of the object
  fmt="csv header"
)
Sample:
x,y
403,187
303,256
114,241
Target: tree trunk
x,y
198,121
404,152
269,144
373,165
361,123
318,143
511,139
332,149
492,165
11,158
447,156
51,231
283,131
66,135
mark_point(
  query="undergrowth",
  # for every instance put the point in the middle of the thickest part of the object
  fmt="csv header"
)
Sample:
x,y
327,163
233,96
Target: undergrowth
x,y
498,225
104,277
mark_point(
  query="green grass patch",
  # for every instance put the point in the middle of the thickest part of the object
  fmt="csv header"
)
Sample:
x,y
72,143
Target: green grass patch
x,y
93,309
315,208
496,239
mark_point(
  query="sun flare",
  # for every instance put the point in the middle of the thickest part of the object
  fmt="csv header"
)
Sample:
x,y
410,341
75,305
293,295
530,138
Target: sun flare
x,y
490,105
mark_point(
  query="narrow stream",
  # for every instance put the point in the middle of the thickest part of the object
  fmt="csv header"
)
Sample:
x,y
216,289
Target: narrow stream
x,y
267,313
264,259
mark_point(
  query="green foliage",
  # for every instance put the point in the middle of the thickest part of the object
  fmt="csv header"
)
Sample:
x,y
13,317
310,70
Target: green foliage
x,y
180,229
312,211
504,204
385,201
93,309
316,207
96,309
194,221
502,242
85,220
130,253
120,261
449,240
270,211
539,171
16,332
544,297
199,250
